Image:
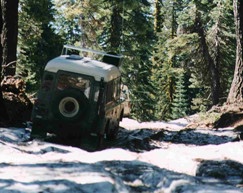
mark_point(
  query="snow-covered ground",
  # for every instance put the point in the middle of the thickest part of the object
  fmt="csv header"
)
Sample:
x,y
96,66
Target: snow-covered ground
x,y
147,157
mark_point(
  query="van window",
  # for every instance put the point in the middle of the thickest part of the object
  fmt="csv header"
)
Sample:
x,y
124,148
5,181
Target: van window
x,y
117,89
96,93
113,90
109,92
67,81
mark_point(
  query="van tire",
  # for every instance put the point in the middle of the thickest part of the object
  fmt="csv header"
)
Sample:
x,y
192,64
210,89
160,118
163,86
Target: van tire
x,y
69,105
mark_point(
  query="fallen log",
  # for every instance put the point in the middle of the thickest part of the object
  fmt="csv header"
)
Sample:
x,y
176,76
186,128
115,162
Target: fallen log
x,y
17,102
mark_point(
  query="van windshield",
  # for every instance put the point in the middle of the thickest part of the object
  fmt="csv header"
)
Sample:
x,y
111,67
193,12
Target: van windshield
x,y
67,81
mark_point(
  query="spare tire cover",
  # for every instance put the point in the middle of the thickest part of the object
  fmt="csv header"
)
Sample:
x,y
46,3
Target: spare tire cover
x,y
69,105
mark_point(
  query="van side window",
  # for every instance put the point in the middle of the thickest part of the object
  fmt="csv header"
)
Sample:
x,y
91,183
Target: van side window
x,y
116,86
113,90
109,92
96,93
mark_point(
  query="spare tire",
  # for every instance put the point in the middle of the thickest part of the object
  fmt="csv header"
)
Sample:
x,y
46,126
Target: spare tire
x,y
69,105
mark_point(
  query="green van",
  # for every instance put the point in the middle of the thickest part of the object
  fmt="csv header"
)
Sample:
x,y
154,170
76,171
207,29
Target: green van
x,y
79,97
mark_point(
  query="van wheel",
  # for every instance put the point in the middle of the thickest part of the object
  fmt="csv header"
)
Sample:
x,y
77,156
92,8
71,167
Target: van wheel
x,y
69,105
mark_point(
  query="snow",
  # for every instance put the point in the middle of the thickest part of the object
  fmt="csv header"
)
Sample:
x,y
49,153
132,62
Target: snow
x,y
184,159
30,166
133,124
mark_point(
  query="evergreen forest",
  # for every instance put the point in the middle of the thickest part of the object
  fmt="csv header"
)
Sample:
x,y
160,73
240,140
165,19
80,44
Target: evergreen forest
x,y
179,55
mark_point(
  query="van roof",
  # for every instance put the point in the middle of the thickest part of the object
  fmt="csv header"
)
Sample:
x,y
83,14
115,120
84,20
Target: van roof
x,y
83,65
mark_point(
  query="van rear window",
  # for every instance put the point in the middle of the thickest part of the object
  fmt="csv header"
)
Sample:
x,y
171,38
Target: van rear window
x,y
66,81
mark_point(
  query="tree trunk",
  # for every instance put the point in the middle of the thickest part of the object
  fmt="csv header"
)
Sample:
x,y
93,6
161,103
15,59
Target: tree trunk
x,y
158,18
3,111
116,27
235,94
9,36
212,67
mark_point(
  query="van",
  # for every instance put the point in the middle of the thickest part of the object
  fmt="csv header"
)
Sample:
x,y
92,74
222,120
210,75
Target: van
x,y
79,97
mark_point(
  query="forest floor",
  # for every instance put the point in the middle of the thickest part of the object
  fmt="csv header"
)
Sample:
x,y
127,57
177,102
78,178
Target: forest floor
x,y
147,157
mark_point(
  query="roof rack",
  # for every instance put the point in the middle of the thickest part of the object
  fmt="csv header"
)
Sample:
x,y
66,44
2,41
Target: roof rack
x,y
109,58
67,47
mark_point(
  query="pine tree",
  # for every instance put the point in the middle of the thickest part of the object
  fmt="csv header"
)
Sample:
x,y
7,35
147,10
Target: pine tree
x,y
236,93
138,42
202,46
74,21
180,104
165,61
221,41
38,42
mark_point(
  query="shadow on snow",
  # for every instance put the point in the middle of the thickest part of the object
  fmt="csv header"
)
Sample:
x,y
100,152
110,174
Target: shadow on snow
x,y
110,177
